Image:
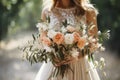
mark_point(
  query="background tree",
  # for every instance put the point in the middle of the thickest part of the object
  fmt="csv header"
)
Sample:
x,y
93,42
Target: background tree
x,y
17,15
8,10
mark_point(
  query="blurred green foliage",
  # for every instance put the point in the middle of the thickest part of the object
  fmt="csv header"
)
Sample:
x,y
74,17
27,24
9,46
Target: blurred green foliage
x,y
16,15
109,18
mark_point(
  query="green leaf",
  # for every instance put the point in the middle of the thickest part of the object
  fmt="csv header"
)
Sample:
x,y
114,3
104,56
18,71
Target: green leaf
x,y
27,55
60,53
65,23
34,58
30,47
31,62
92,57
45,58
57,72
48,19
54,72
82,52
33,37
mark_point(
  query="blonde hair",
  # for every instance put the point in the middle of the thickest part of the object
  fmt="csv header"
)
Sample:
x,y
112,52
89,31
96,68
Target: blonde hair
x,y
82,5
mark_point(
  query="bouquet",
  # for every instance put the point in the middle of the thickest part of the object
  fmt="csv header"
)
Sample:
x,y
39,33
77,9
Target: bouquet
x,y
63,46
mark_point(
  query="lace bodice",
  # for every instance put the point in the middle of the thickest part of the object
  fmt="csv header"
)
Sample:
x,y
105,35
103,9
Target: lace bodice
x,y
59,15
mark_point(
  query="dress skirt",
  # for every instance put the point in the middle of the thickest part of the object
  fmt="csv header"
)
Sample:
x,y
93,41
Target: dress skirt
x,y
83,70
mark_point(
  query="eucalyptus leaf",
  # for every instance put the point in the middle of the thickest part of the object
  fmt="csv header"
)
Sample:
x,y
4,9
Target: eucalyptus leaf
x,y
34,58
65,23
27,55
33,37
48,19
82,52
30,47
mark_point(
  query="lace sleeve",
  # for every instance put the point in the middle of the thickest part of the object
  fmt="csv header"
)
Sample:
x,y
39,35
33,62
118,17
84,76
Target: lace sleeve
x,y
44,13
91,18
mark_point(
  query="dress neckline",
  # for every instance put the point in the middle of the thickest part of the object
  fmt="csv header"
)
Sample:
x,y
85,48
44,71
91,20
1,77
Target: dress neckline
x,y
65,9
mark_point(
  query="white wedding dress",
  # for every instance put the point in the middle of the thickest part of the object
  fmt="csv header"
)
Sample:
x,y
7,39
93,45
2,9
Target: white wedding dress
x,y
83,69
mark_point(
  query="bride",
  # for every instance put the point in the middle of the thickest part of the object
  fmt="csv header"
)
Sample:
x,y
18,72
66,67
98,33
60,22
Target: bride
x,y
73,11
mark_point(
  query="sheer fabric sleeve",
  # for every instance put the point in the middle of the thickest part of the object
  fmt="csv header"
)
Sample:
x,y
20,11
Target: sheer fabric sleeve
x,y
91,19
44,14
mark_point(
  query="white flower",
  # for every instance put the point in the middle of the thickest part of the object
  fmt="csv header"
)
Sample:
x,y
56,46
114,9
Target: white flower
x,y
102,48
69,38
86,43
85,36
51,33
99,32
108,34
42,26
38,25
98,45
102,59
83,32
74,53
63,29
91,39
108,31
102,62
84,26
96,63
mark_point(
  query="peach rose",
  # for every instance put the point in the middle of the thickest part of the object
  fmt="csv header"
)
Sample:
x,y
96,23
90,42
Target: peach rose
x,y
46,41
81,43
58,38
76,36
70,28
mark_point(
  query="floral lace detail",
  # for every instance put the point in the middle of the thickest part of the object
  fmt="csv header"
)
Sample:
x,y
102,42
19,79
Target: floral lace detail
x,y
60,15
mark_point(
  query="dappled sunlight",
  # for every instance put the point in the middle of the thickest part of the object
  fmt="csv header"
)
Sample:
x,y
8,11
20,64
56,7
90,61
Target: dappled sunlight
x,y
12,64
15,43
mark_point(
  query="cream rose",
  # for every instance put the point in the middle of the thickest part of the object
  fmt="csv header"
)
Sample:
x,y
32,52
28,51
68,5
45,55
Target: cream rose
x,y
69,38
